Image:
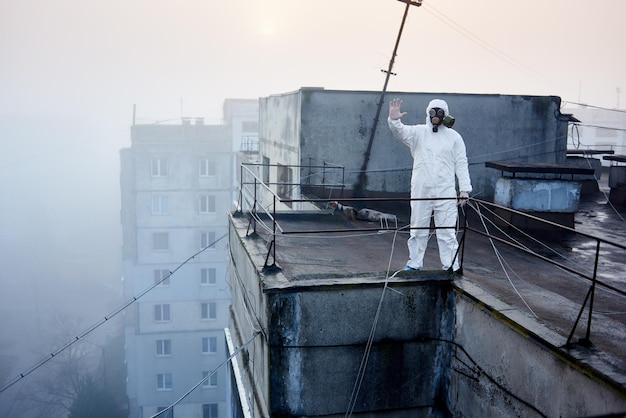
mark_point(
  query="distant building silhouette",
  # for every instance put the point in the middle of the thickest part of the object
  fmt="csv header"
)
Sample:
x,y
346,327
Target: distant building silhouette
x,y
177,183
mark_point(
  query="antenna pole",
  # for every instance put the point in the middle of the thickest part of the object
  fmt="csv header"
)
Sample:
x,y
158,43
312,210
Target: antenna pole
x,y
360,186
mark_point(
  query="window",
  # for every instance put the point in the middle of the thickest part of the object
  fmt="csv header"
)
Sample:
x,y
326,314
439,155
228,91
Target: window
x,y
210,382
162,277
208,276
209,345
164,381
163,347
207,239
209,410
160,241
158,167
250,143
160,205
208,310
207,168
162,312
206,204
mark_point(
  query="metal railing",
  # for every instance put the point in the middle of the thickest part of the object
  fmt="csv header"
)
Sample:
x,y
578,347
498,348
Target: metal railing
x,y
592,277
264,205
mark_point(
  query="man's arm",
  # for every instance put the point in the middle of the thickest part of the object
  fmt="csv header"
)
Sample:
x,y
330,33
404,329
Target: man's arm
x,y
395,109
406,134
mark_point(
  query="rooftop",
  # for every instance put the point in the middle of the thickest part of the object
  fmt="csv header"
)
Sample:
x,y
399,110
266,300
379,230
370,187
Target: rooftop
x,y
321,248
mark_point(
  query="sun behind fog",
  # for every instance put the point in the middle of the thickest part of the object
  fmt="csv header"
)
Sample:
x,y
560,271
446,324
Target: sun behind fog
x,y
267,29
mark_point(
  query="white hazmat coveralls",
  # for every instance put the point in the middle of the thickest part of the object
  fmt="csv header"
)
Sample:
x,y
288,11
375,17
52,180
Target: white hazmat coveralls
x,y
437,158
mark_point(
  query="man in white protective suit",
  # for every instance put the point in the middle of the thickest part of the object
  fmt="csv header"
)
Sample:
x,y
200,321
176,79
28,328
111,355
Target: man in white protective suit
x,y
438,157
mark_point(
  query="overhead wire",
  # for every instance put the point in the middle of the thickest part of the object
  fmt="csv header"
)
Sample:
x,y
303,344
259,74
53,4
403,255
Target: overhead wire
x,y
542,244
565,103
503,263
246,302
608,128
519,230
106,318
361,372
500,260
588,160
208,376
483,44
575,143
606,197
482,372
368,346
513,149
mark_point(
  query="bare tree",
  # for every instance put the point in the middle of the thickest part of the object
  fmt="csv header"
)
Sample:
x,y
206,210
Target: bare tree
x,y
73,381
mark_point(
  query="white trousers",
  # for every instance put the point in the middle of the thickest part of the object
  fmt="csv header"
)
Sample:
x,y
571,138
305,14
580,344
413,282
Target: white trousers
x,y
445,214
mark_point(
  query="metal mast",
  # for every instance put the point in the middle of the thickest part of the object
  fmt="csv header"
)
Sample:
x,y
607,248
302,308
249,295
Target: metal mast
x,y
360,186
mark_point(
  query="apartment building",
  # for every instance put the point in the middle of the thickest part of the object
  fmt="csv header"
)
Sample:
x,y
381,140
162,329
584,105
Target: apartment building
x,y
177,187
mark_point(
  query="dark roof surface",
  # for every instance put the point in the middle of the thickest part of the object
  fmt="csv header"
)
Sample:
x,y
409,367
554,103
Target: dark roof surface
x,y
321,248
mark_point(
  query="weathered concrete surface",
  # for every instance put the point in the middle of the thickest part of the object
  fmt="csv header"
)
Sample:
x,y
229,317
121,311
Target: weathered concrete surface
x,y
313,125
546,300
617,176
318,327
617,183
586,162
589,183
537,195
307,297
318,339
509,364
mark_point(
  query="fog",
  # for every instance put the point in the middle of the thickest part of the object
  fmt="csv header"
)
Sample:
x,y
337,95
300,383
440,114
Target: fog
x,y
73,70
60,239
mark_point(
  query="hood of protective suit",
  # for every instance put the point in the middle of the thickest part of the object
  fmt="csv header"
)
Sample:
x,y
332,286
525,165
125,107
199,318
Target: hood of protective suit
x,y
436,103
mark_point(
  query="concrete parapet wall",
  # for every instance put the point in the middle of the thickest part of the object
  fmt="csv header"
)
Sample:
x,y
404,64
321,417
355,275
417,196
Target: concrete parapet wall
x,y
617,183
538,195
320,336
617,176
589,183
424,346
586,162
501,368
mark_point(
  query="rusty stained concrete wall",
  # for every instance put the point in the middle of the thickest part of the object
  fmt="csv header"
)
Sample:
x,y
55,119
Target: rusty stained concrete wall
x,y
439,346
508,364
333,126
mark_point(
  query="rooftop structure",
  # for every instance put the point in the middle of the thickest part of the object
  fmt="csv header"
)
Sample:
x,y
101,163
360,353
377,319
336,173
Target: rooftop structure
x,y
597,129
325,322
313,126
331,326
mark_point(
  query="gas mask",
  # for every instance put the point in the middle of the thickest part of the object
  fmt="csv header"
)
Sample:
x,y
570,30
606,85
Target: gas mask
x,y
438,117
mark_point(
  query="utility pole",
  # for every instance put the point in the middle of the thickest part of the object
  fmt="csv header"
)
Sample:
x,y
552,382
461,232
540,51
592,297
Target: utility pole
x,y
619,91
360,186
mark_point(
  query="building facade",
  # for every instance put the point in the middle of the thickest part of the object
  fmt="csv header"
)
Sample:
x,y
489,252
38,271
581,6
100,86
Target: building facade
x,y
599,129
177,187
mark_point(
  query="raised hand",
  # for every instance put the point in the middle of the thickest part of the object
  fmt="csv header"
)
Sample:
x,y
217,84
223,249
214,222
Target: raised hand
x,y
395,109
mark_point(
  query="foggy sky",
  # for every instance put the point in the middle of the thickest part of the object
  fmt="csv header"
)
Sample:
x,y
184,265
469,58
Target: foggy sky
x,y
72,70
